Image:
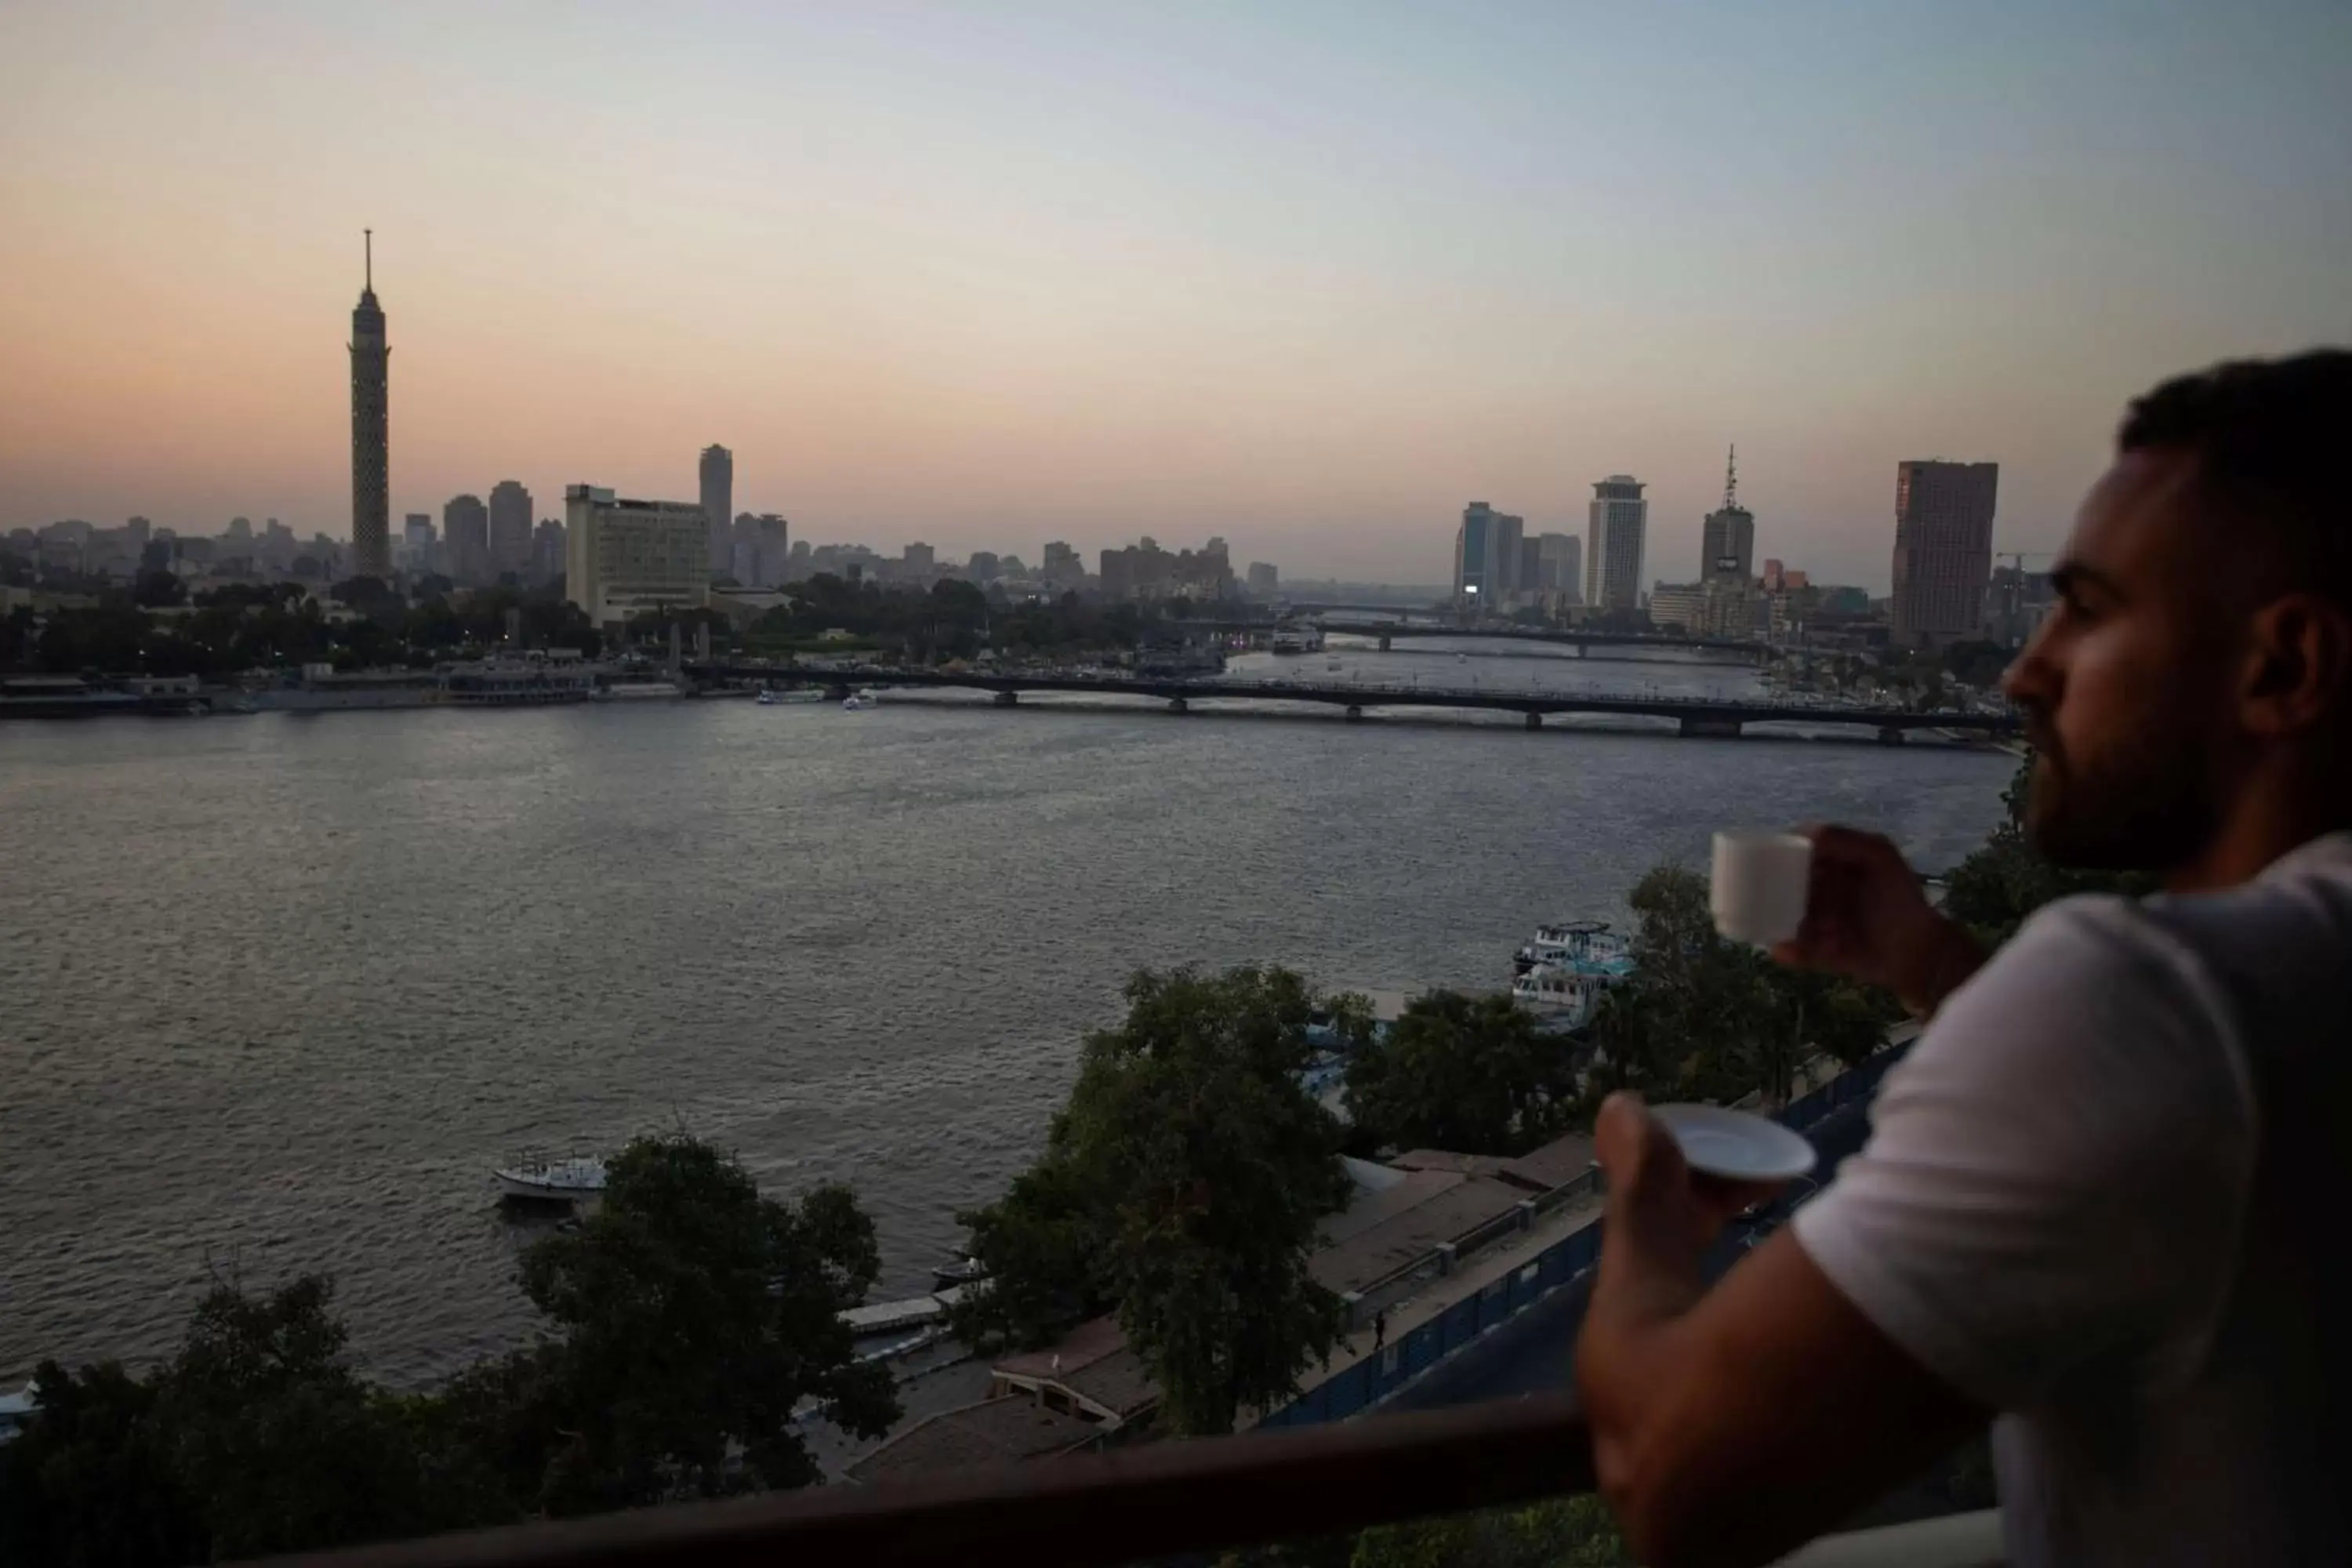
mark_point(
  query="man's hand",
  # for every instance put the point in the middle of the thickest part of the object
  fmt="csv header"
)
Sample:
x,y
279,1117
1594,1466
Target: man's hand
x,y
1865,917
1671,1211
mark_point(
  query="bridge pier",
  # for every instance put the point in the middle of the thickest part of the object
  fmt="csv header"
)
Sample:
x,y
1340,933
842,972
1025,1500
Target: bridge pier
x,y
1889,735
1008,699
1177,705
1534,721
1384,642
1711,729
1355,713
837,693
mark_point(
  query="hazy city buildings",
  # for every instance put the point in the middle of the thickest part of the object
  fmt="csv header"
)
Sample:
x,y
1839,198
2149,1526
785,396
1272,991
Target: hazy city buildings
x,y
760,556
418,541
1727,538
466,541
1486,558
1061,567
547,551
371,433
718,476
984,566
626,557
1264,579
1618,520
919,561
1560,563
1943,550
510,527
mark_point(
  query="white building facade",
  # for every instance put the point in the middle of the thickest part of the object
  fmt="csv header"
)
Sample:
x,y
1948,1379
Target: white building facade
x,y
625,557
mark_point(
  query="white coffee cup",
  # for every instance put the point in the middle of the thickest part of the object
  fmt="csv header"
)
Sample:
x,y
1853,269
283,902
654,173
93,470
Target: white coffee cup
x,y
1759,885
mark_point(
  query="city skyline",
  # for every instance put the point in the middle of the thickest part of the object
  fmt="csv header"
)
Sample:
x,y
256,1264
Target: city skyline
x,y
918,298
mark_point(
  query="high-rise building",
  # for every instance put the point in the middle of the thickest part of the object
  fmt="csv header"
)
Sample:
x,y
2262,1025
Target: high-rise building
x,y
983,566
1485,557
1061,567
718,474
417,538
623,557
1562,565
1943,550
547,551
1618,520
1264,579
466,541
371,433
1726,551
920,558
509,527
1527,578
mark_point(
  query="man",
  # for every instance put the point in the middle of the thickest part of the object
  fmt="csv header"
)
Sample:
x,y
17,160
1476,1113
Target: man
x,y
2101,1198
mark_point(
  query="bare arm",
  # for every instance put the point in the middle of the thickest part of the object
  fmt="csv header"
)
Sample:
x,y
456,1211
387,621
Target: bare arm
x,y
1732,1426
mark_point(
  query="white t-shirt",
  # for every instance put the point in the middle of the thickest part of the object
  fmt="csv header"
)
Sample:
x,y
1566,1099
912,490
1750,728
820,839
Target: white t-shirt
x,y
2104,1195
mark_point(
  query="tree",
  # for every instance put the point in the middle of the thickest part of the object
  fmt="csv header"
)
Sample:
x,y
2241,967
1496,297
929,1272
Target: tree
x,y
699,1316
285,1445
91,1483
1475,1076
1181,1186
157,588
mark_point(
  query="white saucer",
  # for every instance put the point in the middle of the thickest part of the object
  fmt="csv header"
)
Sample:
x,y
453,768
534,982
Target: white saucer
x,y
1734,1144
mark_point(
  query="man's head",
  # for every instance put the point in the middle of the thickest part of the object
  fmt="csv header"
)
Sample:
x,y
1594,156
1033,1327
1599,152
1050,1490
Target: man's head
x,y
2202,640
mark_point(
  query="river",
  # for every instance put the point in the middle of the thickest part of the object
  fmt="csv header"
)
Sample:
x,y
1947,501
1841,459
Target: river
x,y
276,992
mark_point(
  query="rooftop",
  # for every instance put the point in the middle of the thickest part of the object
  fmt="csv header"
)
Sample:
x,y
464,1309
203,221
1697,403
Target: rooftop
x,y
992,1431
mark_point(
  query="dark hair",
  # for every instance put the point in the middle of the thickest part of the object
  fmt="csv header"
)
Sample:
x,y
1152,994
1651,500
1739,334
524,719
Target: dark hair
x,y
2272,439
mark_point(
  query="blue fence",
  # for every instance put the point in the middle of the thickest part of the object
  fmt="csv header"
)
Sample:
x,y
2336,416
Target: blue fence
x,y
1385,1371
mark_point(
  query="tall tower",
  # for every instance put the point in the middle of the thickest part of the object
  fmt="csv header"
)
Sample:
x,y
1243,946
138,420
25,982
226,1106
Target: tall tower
x,y
1618,521
719,504
1943,550
370,434
1726,551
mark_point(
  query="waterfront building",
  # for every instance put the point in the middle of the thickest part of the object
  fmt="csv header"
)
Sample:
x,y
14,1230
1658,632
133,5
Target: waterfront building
x,y
510,525
1943,550
1616,523
717,472
623,557
371,432
1264,579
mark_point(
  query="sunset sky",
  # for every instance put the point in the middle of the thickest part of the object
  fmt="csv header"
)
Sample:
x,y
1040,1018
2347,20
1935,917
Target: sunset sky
x,y
1309,275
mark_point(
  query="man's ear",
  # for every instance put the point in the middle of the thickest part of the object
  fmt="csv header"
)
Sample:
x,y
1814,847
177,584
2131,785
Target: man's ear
x,y
2298,665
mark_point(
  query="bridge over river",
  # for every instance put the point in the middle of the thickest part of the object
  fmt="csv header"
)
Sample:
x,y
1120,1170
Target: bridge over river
x,y
1583,642
1707,716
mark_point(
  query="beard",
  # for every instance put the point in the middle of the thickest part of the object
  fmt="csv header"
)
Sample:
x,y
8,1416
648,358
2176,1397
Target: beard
x,y
2145,801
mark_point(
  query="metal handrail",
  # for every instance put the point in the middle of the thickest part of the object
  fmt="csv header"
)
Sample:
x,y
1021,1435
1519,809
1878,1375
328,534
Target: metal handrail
x,y
1200,1494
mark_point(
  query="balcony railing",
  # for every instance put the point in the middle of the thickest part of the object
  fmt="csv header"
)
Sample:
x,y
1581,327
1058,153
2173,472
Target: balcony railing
x,y
1158,1499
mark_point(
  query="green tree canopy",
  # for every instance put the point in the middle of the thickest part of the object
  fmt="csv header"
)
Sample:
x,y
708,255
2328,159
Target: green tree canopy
x,y
1473,1075
1181,1187
698,1317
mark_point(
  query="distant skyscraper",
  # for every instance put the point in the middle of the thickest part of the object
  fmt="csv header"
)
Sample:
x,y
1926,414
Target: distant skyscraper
x,y
509,527
625,557
466,541
1613,556
1726,552
718,503
547,551
1061,567
983,566
371,433
1485,557
919,560
1562,559
1264,579
416,541
1943,550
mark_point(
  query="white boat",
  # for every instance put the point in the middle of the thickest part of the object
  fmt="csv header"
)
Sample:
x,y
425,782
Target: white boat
x,y
1579,944
859,702
552,1181
1559,995
781,696
17,1410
